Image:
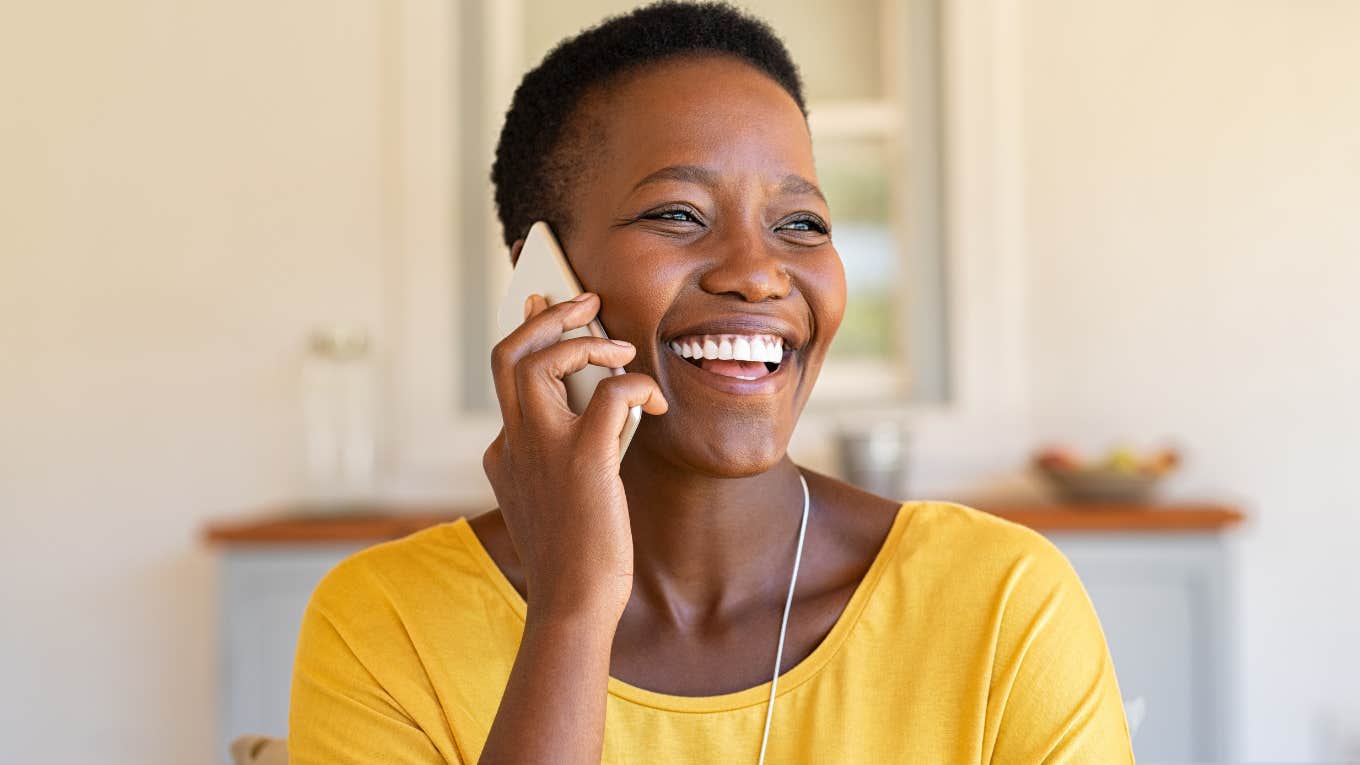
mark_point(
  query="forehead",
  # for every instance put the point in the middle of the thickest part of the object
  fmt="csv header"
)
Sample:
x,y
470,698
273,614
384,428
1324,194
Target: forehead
x,y
713,111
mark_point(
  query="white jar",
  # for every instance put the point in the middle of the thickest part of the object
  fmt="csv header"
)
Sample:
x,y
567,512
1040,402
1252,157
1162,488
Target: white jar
x,y
339,387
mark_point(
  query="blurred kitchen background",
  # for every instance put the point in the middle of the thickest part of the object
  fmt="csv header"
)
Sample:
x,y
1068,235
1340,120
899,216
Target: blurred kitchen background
x,y
248,269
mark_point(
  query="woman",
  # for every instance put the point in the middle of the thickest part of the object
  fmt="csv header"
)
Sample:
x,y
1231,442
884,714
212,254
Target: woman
x,y
631,609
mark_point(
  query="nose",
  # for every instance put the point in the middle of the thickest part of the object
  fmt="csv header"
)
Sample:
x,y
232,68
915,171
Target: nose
x,y
745,266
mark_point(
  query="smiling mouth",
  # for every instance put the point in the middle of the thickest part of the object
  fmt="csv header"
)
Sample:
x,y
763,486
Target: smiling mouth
x,y
744,357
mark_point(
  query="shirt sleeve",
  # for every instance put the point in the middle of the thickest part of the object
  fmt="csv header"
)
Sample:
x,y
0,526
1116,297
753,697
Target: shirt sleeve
x,y
339,713
1053,691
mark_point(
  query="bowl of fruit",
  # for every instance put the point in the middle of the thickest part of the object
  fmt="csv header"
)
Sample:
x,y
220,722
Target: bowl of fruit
x,y
1122,476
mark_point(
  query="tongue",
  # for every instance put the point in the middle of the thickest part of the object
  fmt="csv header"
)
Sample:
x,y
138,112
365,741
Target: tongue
x,y
747,369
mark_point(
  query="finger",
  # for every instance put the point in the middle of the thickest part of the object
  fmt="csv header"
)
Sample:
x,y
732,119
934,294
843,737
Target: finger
x,y
534,305
543,327
604,418
538,377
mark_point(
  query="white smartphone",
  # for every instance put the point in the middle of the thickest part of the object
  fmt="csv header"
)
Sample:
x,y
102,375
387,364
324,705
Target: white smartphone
x,y
542,269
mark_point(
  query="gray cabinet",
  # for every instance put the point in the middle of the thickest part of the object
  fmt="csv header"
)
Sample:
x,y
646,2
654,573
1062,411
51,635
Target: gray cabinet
x,y
1162,600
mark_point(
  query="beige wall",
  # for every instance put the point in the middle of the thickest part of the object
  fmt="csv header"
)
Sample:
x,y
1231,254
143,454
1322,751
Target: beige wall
x,y
1193,269
185,190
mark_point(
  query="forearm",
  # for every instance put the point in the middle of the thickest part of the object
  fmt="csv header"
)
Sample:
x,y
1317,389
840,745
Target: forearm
x,y
553,707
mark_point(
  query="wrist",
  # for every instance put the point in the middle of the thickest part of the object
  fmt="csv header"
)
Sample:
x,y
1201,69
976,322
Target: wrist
x,y
579,601
580,623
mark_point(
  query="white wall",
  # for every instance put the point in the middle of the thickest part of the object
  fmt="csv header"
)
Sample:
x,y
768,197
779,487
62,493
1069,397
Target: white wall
x,y
184,192
1193,270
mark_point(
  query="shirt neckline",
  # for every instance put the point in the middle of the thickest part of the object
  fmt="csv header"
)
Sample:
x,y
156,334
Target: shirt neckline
x,y
788,682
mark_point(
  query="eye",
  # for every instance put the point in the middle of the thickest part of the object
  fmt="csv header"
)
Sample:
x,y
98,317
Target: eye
x,y
674,215
805,224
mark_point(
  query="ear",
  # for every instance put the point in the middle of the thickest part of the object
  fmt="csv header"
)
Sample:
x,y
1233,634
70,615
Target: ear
x,y
514,251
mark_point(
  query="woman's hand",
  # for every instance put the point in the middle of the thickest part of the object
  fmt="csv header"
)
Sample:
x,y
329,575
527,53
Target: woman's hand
x,y
556,474
556,478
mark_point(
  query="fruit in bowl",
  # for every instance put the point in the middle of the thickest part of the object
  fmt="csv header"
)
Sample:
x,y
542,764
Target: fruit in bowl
x,y
1121,476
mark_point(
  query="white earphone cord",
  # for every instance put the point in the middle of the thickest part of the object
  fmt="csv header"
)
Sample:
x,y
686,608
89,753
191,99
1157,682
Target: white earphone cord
x,y
784,623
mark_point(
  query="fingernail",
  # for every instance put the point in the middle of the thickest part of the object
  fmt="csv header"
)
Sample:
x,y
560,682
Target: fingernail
x,y
528,305
581,298
623,343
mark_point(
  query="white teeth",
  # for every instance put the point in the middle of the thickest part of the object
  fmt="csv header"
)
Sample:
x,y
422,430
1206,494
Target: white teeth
x,y
725,349
741,349
762,348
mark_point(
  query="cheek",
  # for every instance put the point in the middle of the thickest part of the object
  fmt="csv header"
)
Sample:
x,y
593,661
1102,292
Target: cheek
x,y
636,288
825,291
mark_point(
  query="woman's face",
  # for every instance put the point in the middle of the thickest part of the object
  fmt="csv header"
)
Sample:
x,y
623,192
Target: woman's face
x,y
698,220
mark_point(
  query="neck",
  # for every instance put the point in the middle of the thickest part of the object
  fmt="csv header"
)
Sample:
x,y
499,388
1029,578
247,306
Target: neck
x,y
703,544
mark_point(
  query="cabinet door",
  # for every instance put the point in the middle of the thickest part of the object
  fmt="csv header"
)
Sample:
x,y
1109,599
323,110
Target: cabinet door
x,y
264,593
1162,603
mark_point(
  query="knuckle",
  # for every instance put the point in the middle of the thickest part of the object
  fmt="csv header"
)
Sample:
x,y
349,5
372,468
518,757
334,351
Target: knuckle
x,y
554,314
580,344
502,355
567,347
529,367
565,306
491,459
613,388
563,354
597,346
523,369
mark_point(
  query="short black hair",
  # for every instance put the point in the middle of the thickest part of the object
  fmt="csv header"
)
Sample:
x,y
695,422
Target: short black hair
x,y
534,157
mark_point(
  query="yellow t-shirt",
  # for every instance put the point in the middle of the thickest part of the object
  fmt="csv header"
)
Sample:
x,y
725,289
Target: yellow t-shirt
x,y
970,640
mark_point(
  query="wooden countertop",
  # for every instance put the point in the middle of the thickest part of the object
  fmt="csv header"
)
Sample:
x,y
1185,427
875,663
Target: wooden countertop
x,y
382,523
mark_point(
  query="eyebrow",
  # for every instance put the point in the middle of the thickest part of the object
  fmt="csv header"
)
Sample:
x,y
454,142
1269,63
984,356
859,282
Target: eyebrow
x,y
685,173
702,176
797,184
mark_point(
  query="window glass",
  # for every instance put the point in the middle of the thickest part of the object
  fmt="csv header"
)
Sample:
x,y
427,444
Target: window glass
x,y
854,175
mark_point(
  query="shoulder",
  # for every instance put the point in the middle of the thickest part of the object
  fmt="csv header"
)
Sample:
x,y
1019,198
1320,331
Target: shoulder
x,y
988,566
936,546
1009,582
952,535
1012,596
432,563
381,648
945,534
996,584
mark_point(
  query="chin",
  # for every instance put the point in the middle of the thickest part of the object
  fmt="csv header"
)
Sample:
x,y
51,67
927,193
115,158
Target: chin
x,y
735,451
